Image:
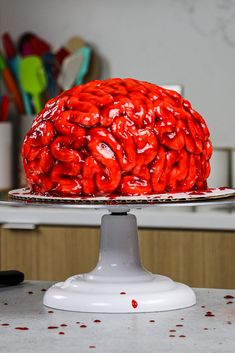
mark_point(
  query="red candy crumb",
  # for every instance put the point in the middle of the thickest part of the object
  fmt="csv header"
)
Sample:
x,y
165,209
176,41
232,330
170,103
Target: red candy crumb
x,y
134,303
228,296
61,333
209,314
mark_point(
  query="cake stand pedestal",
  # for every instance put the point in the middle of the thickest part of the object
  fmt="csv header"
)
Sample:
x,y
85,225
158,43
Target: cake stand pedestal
x,y
119,283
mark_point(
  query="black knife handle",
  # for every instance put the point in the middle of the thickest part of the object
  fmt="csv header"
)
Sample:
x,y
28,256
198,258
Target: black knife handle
x,y
11,277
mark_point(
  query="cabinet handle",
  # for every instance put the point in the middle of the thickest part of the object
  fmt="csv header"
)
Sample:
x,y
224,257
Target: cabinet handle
x,y
25,226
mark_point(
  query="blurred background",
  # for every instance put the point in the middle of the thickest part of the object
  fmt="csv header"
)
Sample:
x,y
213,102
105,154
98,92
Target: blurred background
x,y
165,42
186,43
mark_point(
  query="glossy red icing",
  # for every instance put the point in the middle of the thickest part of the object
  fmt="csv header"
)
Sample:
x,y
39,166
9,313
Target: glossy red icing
x,y
118,136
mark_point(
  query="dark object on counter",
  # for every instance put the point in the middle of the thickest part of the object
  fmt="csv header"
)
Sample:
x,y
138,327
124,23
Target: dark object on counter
x,y
11,277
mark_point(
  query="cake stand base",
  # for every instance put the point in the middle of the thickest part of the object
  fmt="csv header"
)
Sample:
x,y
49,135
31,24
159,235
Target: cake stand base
x,y
119,283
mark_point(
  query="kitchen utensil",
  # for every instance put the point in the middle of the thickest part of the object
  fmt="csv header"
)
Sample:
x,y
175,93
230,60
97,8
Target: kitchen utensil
x,y
8,46
11,85
85,52
11,277
31,44
39,46
24,44
61,54
69,70
52,69
14,63
33,78
74,43
94,67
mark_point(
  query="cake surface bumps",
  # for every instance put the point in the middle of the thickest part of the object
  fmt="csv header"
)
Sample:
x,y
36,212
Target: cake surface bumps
x,y
120,137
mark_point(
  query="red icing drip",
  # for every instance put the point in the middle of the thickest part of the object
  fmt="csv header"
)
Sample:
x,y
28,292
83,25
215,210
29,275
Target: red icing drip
x,y
117,136
122,293
5,324
172,330
179,325
52,327
83,326
151,320
97,321
182,336
229,303
63,325
21,328
134,303
61,333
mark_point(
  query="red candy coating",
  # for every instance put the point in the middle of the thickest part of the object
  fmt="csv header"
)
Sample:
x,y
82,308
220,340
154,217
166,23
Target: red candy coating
x,y
118,136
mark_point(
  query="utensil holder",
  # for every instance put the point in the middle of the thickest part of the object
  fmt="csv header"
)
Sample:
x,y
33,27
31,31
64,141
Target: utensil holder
x,y
5,156
25,125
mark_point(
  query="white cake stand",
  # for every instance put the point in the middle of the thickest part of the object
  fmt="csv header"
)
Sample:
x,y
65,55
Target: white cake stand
x,y
119,283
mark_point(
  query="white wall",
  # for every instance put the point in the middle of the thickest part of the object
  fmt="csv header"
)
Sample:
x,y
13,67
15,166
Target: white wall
x,y
162,41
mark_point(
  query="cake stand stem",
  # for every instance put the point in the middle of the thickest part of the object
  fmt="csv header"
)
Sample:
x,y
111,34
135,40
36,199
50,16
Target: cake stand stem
x,y
119,257
119,283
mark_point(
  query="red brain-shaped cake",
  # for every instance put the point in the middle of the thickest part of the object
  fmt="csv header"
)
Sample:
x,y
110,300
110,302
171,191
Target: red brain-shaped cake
x,y
118,136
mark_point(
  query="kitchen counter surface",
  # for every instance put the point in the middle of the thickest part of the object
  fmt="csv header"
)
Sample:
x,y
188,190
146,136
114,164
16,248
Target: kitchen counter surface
x,y
204,217
27,326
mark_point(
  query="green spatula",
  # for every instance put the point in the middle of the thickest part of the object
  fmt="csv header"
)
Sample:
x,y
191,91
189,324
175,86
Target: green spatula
x,y
33,79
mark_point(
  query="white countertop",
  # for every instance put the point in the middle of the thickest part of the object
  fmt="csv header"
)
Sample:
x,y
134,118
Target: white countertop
x,y
25,326
181,217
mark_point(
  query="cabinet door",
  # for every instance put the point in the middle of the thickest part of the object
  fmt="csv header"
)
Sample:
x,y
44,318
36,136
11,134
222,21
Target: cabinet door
x,y
50,253
197,258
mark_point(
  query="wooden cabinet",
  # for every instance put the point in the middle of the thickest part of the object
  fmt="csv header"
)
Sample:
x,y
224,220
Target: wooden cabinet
x,y
198,258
